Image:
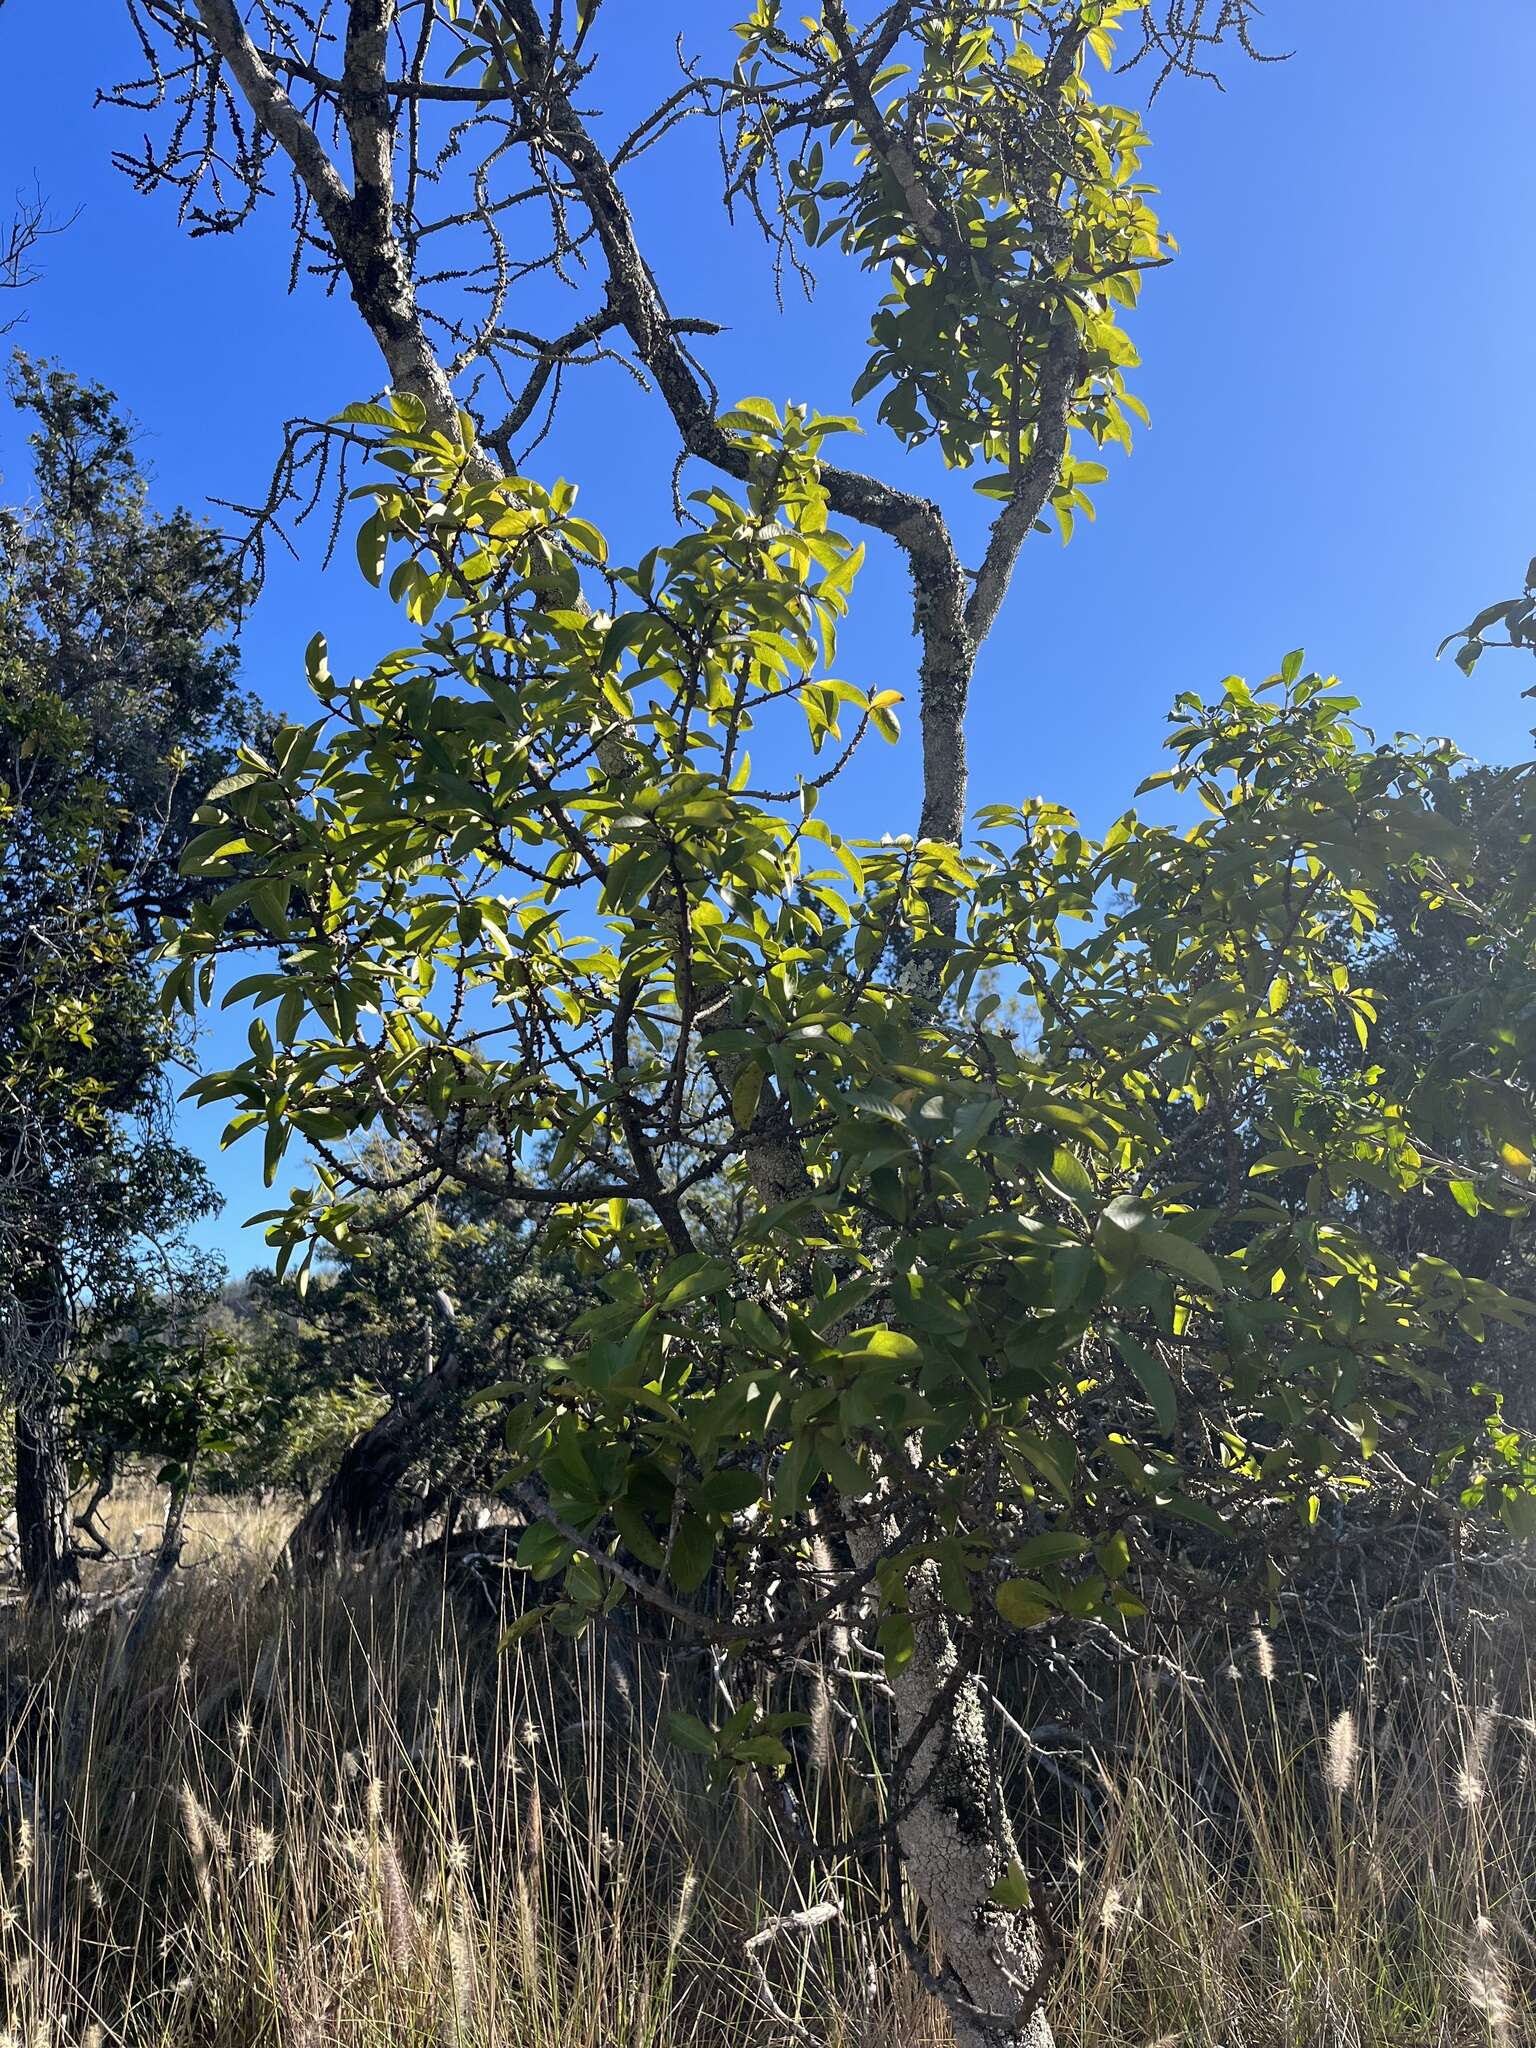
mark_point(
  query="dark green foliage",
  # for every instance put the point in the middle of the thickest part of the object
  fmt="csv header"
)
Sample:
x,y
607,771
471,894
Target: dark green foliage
x,y
118,708
1010,1251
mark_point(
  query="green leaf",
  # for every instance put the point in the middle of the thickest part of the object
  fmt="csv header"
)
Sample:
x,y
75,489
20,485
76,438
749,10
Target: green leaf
x,y
373,547
366,413
873,1345
1071,1177
797,1468
1054,1458
1114,1556
638,1538
693,1552
623,633
542,1551
1116,1232
525,1624
841,1466
687,1731
1023,1603
1069,1274
764,1751
1011,1891
693,1277
1178,1255
896,1642
745,1091
727,1493
1156,1381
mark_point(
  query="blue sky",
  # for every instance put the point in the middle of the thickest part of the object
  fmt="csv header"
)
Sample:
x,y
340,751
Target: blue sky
x,y
1342,445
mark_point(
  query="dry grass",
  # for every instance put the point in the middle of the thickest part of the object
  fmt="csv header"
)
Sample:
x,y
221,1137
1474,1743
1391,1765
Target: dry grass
x,y
345,1819
232,1535
1272,1872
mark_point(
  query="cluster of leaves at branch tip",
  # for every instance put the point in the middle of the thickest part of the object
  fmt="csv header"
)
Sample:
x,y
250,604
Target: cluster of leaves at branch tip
x,y
1514,616
535,915
1039,220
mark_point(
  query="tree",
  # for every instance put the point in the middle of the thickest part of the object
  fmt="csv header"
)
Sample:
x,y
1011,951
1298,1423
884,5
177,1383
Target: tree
x,y
1449,977
424,1309
970,1333
996,199
971,1350
166,1380
118,708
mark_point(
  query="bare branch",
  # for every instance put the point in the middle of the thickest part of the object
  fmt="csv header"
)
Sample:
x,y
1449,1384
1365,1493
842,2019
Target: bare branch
x,y
278,115
1177,36
358,221
29,226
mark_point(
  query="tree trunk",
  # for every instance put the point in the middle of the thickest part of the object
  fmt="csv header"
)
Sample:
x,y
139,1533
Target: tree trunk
x,y
358,1507
955,1839
167,1557
957,1842
49,1568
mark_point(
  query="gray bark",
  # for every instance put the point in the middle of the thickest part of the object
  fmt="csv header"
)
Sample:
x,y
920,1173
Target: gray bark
x,y
957,1841
359,220
49,1569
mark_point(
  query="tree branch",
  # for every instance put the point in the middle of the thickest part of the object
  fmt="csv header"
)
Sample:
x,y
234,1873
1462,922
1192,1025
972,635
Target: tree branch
x,y
1059,377
915,524
270,103
359,225
944,245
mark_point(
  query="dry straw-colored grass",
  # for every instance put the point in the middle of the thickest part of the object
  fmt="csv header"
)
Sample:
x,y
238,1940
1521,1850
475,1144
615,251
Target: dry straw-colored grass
x,y
344,1819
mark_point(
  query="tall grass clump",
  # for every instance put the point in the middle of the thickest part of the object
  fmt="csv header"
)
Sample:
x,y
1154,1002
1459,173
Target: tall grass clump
x,y
1262,1863
341,1816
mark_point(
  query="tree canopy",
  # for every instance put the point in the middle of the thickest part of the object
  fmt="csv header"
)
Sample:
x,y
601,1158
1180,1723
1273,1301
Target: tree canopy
x,y
535,918
118,703
997,1227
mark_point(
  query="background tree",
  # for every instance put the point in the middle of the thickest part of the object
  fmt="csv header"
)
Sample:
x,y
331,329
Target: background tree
x,y
424,1309
118,708
1445,969
29,226
166,1381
